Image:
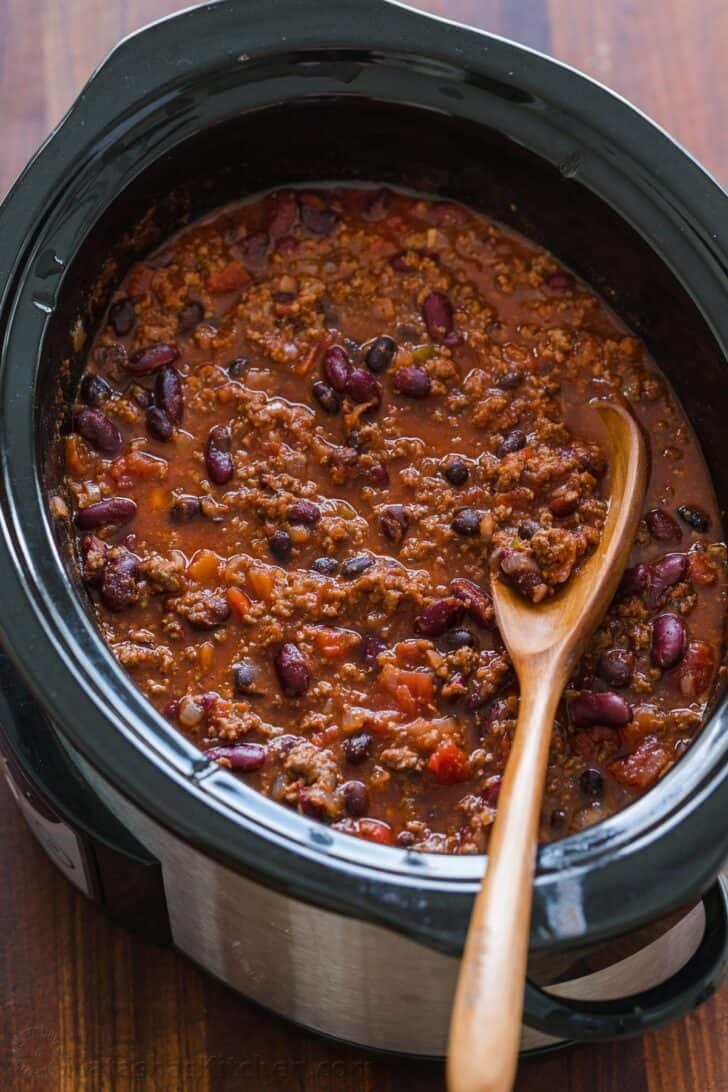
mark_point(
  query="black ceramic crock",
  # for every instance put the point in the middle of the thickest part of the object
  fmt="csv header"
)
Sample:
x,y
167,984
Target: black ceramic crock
x,y
229,99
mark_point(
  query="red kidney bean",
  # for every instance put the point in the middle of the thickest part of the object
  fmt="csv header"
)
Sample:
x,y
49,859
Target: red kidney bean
x,y
356,798
319,221
456,472
122,317
292,670
696,670
509,381
358,748
616,667
119,582
280,545
512,441
522,572
98,430
361,386
394,522
564,503
283,215
662,526
210,612
218,459
669,640
305,512
94,390
439,616
337,368
159,425
93,550
635,580
492,793
190,317
477,603
694,517
437,313
665,573
413,382
380,354
356,566
326,566
310,806
605,708
242,757
185,508
378,475
467,522
238,367
254,248
561,281
405,839
370,649
151,358
326,397
168,393
115,511
527,528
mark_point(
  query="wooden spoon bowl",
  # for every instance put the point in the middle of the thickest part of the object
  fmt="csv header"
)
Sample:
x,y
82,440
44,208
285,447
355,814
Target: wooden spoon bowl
x,y
545,642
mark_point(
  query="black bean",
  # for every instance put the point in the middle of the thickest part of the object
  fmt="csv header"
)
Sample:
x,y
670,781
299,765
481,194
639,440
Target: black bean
x,y
355,439
292,670
98,430
244,676
151,358
356,798
190,316
380,354
591,784
461,638
378,475
337,368
456,472
122,317
662,526
669,640
326,397
361,386
327,566
358,748
370,649
394,522
168,393
305,512
218,459
94,390
439,616
605,708
114,511
512,441
185,508
467,522
412,381
280,545
238,367
437,313
119,582
242,757
509,380
694,517
356,566
616,667
159,425
557,819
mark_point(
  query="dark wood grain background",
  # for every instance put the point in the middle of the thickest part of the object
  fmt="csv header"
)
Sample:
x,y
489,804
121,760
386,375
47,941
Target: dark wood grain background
x,y
86,1008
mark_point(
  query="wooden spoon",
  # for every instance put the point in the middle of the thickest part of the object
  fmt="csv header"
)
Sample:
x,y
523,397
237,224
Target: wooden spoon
x,y
544,642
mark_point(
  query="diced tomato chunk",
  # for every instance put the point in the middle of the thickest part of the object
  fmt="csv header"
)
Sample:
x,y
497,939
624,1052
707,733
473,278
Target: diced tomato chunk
x,y
640,769
239,601
448,763
376,830
412,690
333,643
228,279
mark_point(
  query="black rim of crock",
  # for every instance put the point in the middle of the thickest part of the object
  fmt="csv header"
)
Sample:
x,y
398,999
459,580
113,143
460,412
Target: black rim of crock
x,y
634,867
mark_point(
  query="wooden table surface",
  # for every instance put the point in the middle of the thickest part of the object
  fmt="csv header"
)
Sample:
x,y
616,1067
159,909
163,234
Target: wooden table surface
x,y
86,1008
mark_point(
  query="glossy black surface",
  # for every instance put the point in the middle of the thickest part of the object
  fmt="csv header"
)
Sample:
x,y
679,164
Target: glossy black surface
x,y
187,115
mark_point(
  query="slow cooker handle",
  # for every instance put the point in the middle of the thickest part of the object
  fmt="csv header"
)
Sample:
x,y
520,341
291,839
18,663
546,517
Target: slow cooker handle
x,y
584,1021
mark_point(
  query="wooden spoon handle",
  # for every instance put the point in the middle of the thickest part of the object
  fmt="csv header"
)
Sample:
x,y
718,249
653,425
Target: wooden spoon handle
x,y
485,1028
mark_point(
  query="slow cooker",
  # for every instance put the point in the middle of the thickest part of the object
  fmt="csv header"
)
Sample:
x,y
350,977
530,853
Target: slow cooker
x,y
630,923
